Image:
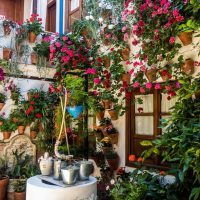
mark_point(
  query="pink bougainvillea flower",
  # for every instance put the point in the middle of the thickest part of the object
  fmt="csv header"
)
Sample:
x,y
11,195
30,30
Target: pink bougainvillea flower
x,y
57,44
65,38
90,71
143,68
112,49
97,80
142,90
124,28
178,85
168,87
172,40
135,42
157,86
148,85
131,71
95,93
126,36
136,84
128,62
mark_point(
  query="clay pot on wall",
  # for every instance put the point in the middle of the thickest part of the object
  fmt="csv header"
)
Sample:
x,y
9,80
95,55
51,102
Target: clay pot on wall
x,y
1,123
19,195
33,135
151,74
1,106
21,130
7,29
6,53
186,38
125,54
188,66
3,187
106,61
126,78
6,135
107,103
113,114
32,37
113,163
100,115
34,58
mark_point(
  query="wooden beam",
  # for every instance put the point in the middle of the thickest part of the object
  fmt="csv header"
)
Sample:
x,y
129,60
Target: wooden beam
x,y
34,6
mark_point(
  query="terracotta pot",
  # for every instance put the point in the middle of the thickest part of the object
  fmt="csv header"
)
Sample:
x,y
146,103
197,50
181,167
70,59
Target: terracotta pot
x,y
188,66
29,96
151,74
125,54
100,115
113,114
89,42
34,58
33,135
32,37
3,187
7,29
19,195
197,94
84,32
6,135
21,130
126,78
1,106
113,163
1,123
6,53
186,38
107,104
106,61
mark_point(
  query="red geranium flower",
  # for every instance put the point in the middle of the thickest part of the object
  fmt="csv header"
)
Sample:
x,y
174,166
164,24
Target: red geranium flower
x,y
36,95
38,115
140,159
162,173
32,103
131,158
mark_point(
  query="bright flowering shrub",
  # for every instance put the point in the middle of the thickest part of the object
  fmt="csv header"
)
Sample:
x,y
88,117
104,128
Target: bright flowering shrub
x,y
68,53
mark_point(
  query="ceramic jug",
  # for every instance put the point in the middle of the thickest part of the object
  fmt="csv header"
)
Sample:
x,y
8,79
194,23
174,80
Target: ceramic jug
x,y
46,163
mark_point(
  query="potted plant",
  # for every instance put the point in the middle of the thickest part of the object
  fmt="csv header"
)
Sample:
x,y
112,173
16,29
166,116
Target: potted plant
x,y
113,159
34,27
6,26
106,61
1,120
107,98
34,129
15,115
21,123
151,74
7,53
125,53
34,58
15,92
2,100
126,77
20,189
188,66
106,144
112,133
7,127
4,179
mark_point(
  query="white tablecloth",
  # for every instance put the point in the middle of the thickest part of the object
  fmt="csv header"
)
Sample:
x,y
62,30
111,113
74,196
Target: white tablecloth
x,y
37,190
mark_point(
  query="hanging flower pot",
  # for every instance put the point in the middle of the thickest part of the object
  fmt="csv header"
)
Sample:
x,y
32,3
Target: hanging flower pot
x,y
107,103
6,53
1,106
125,54
75,111
151,74
188,66
106,61
6,135
34,58
113,114
33,135
126,78
32,37
100,115
21,129
186,38
7,29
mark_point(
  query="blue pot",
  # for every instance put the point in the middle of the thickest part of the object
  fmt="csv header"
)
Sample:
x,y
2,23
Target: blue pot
x,y
75,111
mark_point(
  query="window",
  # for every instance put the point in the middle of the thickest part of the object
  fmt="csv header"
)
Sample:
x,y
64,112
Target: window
x,y
72,12
143,121
51,16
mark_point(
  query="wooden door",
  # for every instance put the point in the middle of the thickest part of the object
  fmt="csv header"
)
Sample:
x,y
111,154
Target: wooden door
x,y
12,9
51,17
72,12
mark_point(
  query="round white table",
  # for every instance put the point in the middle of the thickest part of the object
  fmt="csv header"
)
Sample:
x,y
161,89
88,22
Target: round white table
x,y
37,190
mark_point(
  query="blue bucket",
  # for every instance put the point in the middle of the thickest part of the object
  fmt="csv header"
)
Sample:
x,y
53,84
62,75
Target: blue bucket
x,y
75,111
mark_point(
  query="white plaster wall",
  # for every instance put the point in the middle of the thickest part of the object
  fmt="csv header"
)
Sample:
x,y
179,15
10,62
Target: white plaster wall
x,y
28,7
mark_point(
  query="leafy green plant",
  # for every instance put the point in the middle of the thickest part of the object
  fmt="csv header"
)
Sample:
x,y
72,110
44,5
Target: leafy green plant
x,y
35,126
3,168
20,185
8,125
111,155
42,49
2,98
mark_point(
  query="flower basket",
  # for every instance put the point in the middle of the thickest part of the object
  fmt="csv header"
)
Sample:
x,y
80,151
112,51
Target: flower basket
x,y
1,106
6,135
100,115
34,58
32,37
7,29
107,103
106,61
20,195
188,66
75,111
113,114
125,53
21,130
113,163
33,135
126,78
151,74
186,38
6,53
